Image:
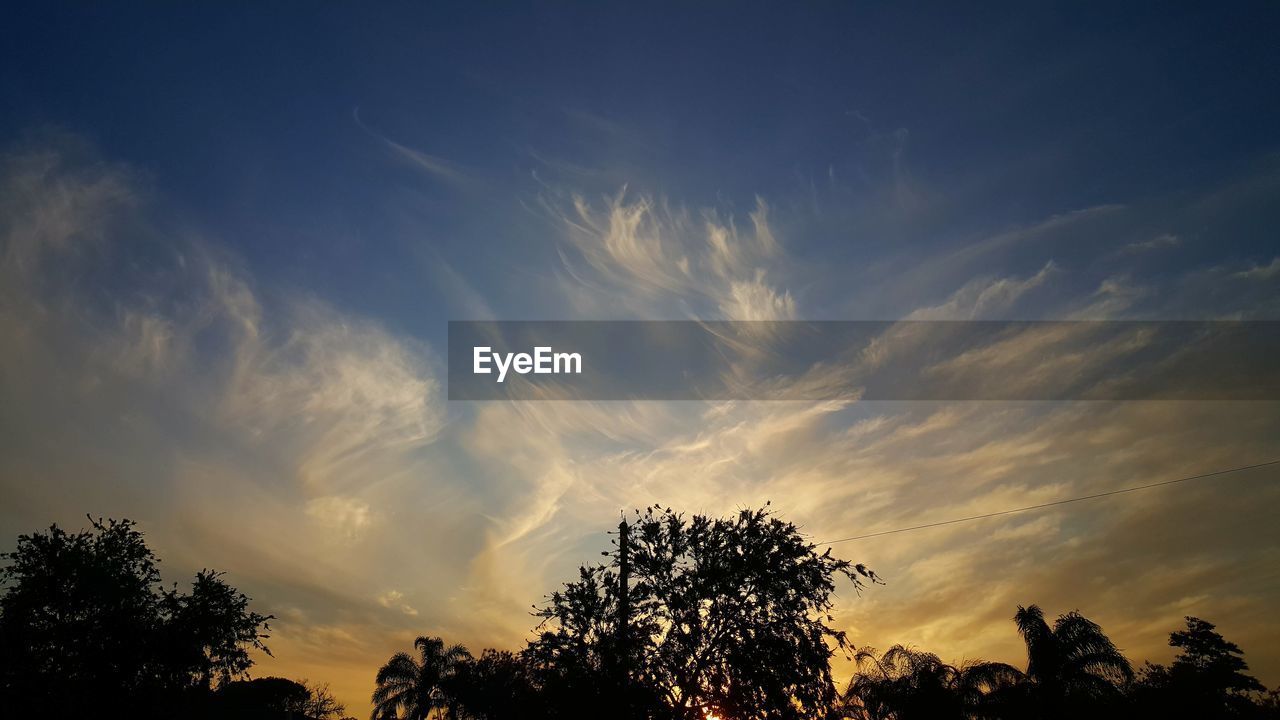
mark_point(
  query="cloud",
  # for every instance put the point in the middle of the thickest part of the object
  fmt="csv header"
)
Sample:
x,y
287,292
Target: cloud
x,y
470,304
395,599
1261,272
337,395
308,450
1044,230
984,299
57,207
755,300
1114,296
329,387
640,256
345,516
927,277
846,468
1159,242
1041,360
146,374
434,166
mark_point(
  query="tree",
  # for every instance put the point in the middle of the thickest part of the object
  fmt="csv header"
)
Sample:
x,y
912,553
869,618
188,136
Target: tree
x,y
321,703
1207,678
209,632
1073,666
907,684
415,689
721,616
496,686
275,697
259,696
1210,658
85,626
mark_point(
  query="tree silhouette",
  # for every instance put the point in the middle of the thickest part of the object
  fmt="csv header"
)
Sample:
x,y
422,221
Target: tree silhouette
x,y
276,698
321,703
908,684
1207,678
721,616
261,696
415,689
1073,667
1210,658
208,632
85,625
495,686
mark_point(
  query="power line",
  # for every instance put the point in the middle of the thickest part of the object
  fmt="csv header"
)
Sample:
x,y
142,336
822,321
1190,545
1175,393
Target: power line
x,y
1052,504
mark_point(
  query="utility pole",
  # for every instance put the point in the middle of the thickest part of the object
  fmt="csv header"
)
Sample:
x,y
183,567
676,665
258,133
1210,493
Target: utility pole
x,y
624,615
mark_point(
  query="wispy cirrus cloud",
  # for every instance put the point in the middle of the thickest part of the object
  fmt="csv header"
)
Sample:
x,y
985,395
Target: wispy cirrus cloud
x,y
984,298
437,167
844,468
308,450
147,376
631,254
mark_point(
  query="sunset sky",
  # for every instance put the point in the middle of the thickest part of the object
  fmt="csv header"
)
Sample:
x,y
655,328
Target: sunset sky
x,y
230,242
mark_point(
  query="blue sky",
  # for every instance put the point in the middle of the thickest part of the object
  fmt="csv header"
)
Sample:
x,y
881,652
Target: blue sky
x,y
980,121
232,239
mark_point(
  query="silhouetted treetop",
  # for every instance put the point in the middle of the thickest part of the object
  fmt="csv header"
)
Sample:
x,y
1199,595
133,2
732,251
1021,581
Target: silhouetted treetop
x,y
276,698
85,622
1206,654
413,688
1206,679
702,615
909,684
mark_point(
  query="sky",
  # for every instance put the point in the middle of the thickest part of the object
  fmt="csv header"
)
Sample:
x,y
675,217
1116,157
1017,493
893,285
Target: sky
x,y
231,239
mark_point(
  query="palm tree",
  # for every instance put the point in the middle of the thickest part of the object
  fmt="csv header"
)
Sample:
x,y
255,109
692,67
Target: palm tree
x,y
905,684
416,689
1073,662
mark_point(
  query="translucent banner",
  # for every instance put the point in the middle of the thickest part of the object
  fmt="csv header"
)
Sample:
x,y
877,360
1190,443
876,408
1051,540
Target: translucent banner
x,y
906,360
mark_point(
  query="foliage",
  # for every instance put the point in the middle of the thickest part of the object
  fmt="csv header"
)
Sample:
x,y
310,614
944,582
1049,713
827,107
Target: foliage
x,y
85,625
417,688
908,684
495,686
699,617
1073,670
210,630
724,616
270,694
275,697
1072,667
1210,658
1207,678
321,703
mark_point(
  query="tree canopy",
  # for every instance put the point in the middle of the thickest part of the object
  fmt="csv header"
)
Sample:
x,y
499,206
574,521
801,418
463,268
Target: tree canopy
x,y
694,617
705,616
1072,667
416,687
276,696
85,624
1206,679
909,684
689,618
